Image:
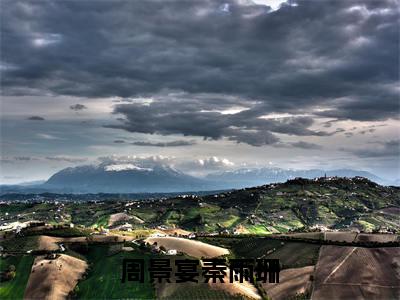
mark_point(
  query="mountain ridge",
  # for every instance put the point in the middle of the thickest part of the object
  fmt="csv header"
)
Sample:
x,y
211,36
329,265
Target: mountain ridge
x,y
162,178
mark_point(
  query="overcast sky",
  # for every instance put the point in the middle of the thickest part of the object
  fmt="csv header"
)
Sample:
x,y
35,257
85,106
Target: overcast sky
x,y
210,85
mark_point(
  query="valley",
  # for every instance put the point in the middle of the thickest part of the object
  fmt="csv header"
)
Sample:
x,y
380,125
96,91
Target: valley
x,y
321,230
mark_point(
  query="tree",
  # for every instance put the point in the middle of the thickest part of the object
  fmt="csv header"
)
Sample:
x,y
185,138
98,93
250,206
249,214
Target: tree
x,y
11,268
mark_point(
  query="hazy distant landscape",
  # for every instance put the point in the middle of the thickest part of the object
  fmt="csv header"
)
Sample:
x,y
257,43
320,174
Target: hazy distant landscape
x,y
128,178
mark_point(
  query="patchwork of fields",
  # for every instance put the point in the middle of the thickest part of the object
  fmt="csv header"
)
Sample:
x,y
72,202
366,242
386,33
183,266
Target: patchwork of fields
x,y
308,269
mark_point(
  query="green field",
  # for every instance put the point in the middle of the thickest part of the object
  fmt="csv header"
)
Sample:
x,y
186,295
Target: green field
x,y
257,229
104,277
15,288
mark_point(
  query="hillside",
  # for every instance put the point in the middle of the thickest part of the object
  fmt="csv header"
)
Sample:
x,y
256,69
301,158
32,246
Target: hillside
x,y
337,203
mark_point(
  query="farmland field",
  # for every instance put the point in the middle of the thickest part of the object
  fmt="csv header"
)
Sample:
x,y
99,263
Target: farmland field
x,y
257,229
341,236
296,255
255,247
380,238
54,278
190,247
201,290
292,282
104,277
14,289
353,272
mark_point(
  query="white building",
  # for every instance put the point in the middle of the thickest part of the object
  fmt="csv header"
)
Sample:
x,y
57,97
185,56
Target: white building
x,y
172,252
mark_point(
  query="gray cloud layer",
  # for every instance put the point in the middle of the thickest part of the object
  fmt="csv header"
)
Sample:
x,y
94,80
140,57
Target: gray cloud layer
x,y
333,59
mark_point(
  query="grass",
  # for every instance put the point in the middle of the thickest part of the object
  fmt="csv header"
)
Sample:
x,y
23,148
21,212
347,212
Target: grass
x,y
232,220
257,229
104,278
102,221
15,288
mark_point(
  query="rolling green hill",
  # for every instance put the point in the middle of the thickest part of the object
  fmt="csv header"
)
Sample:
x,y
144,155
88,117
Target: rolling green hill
x,y
296,205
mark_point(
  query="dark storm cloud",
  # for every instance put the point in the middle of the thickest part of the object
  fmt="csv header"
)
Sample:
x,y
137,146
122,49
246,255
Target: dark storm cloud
x,y
36,118
78,107
338,55
195,118
165,144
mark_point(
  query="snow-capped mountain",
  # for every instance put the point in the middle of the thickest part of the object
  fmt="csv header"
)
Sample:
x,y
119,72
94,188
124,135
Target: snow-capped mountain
x,y
125,178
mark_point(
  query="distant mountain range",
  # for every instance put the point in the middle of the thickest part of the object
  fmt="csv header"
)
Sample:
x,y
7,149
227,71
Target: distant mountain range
x,y
260,176
129,178
125,178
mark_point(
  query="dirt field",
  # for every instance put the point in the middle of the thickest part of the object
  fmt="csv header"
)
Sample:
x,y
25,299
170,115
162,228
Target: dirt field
x,y
380,238
340,236
395,211
54,278
346,236
50,243
114,218
190,247
291,282
357,273
176,231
